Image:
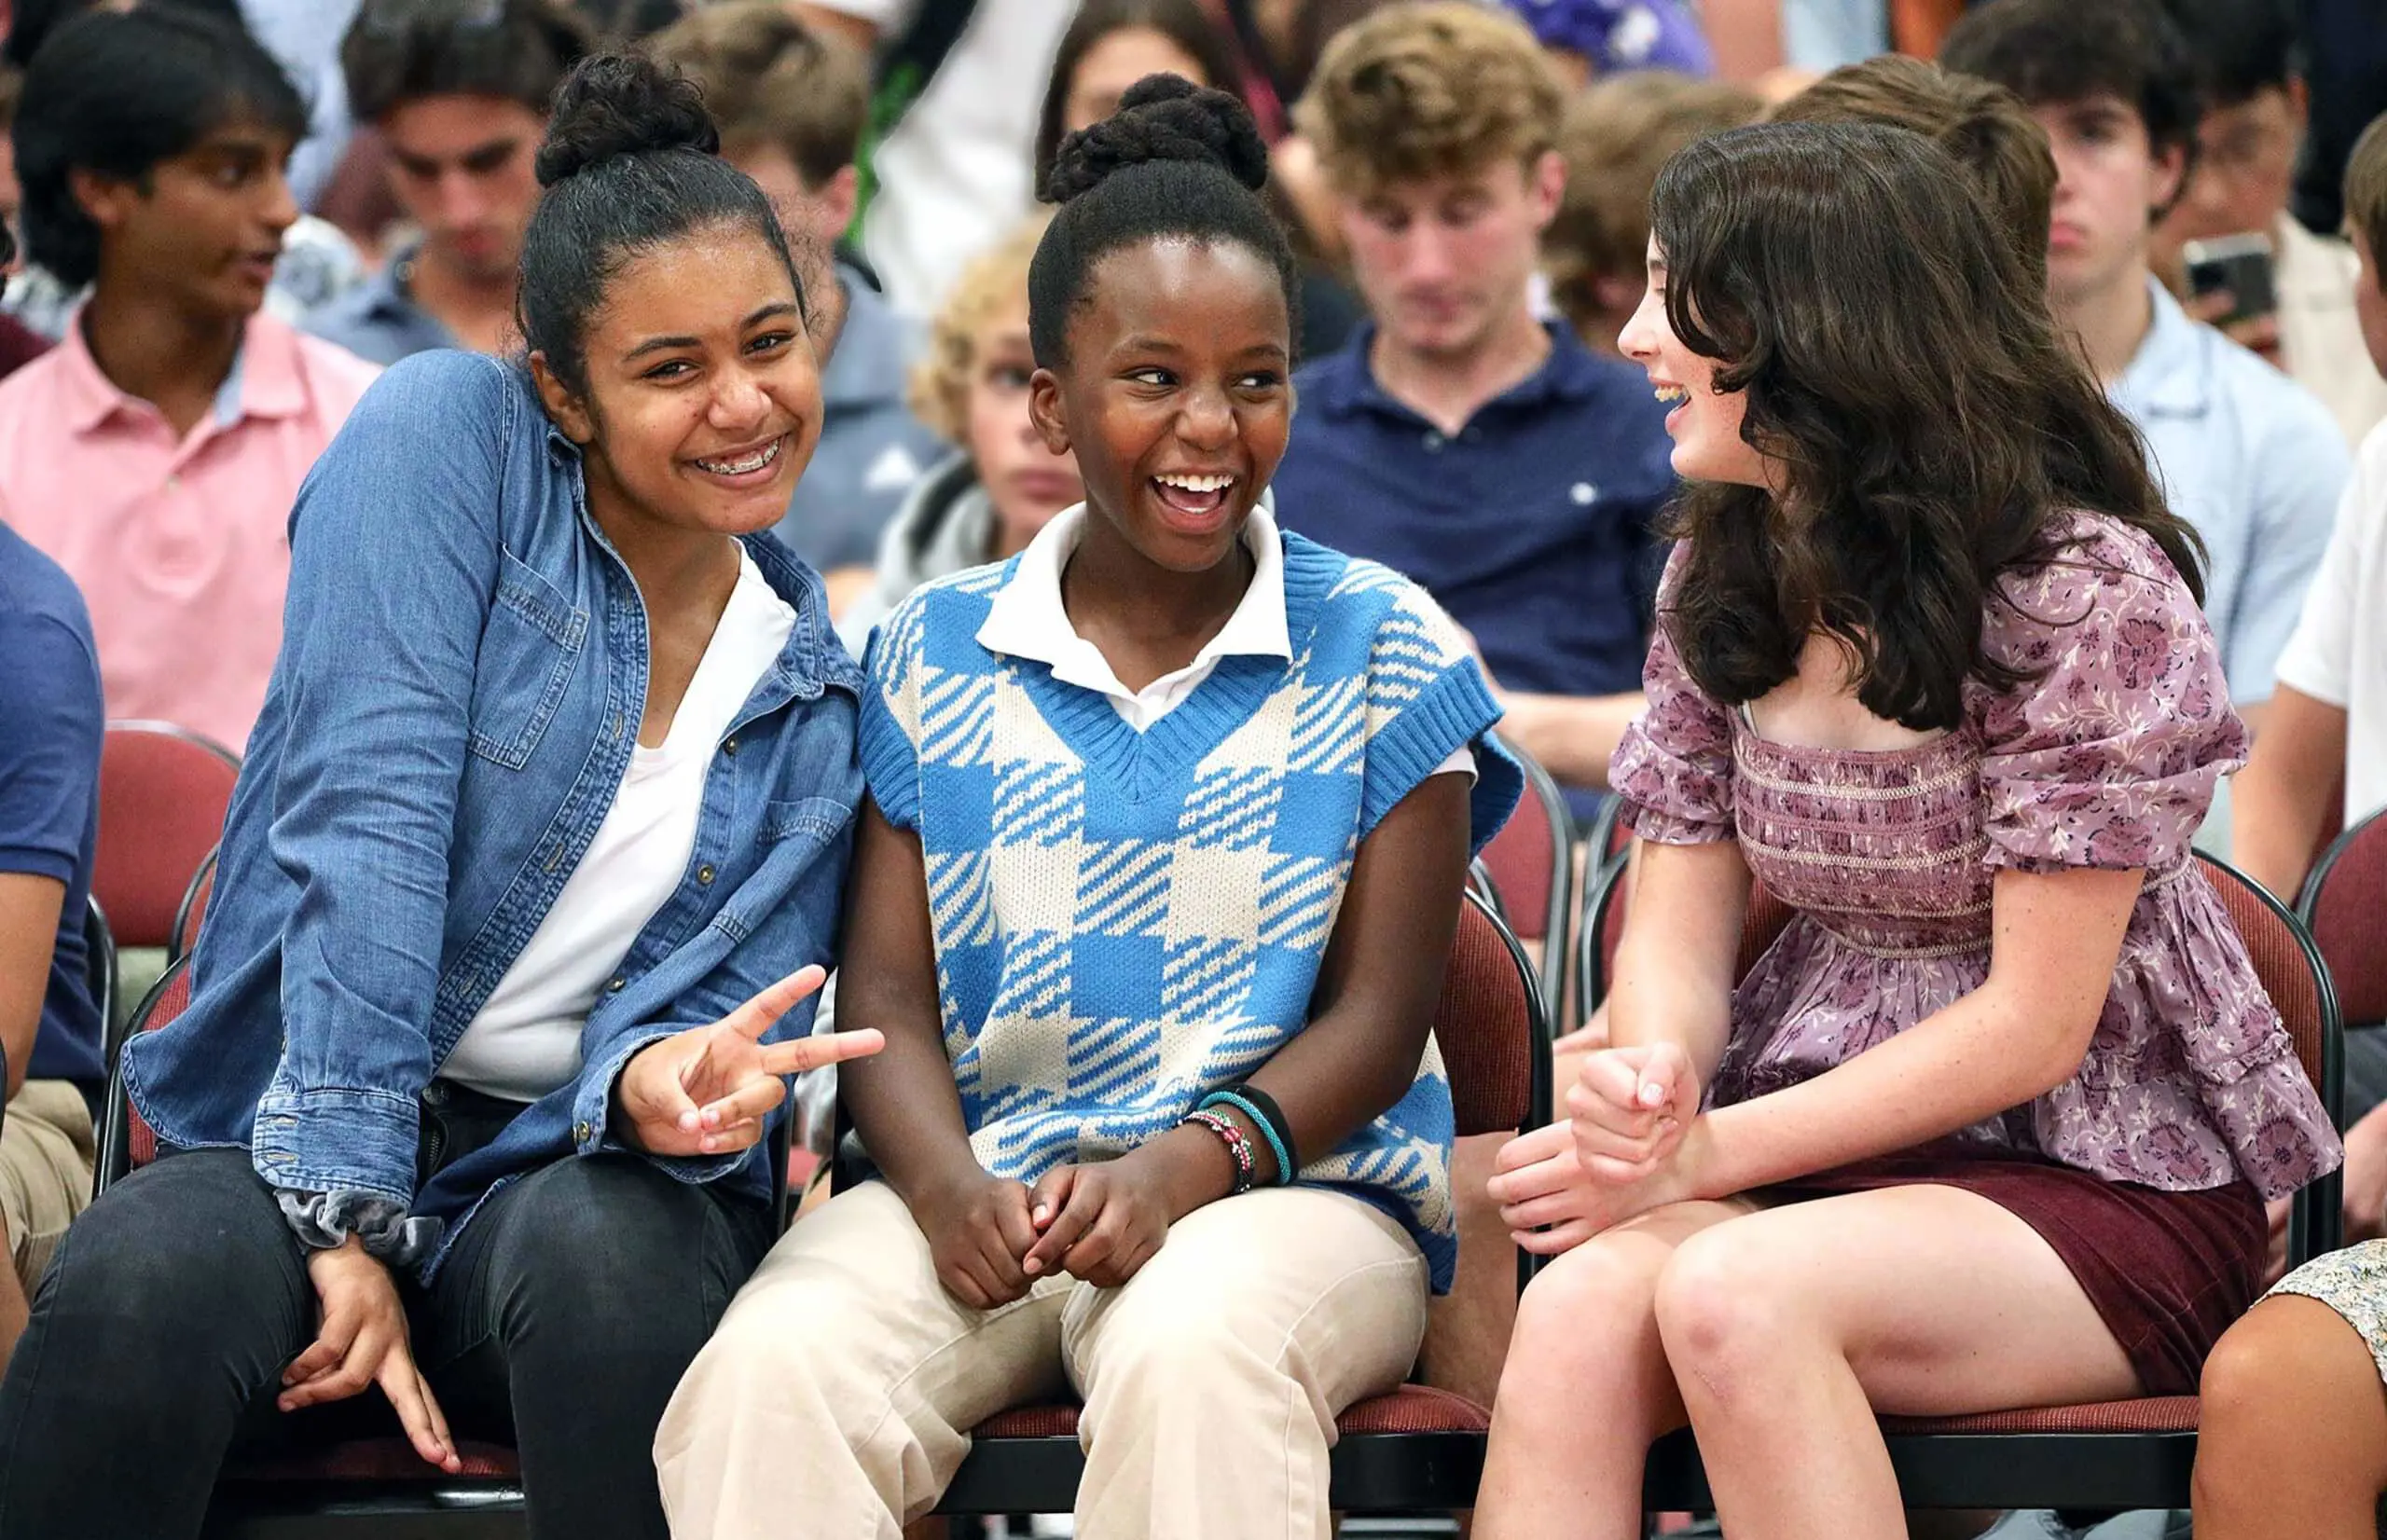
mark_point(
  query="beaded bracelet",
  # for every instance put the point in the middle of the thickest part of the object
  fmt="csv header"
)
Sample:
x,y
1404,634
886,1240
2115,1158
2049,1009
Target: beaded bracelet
x,y
1240,1147
1278,1144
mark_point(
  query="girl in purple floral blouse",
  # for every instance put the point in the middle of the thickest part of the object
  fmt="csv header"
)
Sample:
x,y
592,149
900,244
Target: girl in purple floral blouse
x,y
1991,1125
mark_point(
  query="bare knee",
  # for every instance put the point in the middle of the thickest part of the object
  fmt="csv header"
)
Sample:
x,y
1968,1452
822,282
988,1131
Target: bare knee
x,y
1723,1313
1585,1314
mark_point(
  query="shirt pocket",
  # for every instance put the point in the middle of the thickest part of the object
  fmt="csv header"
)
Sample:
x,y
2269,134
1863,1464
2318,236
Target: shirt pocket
x,y
816,819
529,644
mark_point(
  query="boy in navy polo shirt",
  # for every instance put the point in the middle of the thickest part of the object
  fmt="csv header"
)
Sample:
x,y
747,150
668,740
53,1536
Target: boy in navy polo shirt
x,y
1459,439
50,1025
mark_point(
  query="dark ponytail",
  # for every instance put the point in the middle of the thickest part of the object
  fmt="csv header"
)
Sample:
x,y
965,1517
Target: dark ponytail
x,y
630,163
1177,160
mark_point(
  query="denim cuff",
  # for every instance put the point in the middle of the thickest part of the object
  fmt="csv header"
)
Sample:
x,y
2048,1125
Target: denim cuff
x,y
324,1221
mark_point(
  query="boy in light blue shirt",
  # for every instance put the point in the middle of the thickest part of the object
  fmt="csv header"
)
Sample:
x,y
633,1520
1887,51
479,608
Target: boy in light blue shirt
x,y
2244,454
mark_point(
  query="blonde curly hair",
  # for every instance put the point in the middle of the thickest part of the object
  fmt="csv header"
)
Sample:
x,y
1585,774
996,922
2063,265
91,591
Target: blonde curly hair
x,y
938,392
1435,88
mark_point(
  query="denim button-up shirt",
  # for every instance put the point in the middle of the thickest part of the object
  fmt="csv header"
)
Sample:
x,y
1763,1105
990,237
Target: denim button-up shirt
x,y
461,677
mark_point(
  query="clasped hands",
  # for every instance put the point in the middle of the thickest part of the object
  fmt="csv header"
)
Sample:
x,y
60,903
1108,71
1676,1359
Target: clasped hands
x,y
992,1238
1630,1143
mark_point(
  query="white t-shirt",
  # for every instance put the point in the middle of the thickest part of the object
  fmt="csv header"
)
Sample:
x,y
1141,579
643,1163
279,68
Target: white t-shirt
x,y
525,1041
2338,653
957,174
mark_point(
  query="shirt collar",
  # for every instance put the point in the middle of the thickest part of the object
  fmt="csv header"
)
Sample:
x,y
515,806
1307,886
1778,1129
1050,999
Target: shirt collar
x,y
2169,374
1346,381
266,379
1027,619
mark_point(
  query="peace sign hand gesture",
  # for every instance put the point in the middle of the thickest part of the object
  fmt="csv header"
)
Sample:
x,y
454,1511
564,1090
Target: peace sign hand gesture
x,y
706,1090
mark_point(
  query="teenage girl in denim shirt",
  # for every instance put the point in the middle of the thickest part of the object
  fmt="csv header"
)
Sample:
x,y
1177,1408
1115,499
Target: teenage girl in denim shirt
x,y
554,782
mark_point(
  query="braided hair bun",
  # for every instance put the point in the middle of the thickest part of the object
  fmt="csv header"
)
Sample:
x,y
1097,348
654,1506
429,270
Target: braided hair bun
x,y
1161,118
622,105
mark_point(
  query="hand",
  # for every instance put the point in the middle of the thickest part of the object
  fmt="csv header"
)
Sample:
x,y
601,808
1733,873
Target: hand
x,y
707,1091
977,1232
1629,1107
2366,1178
1539,1179
362,1341
1098,1223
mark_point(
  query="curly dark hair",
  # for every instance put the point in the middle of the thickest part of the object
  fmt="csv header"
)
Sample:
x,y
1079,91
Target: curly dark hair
x,y
1176,161
1930,431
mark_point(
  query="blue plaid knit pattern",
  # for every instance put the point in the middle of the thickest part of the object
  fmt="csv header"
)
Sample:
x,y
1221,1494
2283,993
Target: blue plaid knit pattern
x,y
1124,921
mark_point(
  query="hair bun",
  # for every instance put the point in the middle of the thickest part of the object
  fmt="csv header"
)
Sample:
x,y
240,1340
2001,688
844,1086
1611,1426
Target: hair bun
x,y
622,103
1161,117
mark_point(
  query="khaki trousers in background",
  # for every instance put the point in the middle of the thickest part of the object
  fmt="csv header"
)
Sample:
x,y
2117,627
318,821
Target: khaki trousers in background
x,y
47,1154
836,1398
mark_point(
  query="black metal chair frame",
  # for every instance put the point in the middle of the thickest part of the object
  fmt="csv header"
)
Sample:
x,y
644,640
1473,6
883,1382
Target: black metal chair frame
x,y
2094,1472
187,912
1374,1473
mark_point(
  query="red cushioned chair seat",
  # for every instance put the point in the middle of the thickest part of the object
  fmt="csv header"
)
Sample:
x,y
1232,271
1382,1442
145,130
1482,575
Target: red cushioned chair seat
x,y
378,1459
2149,1414
1411,1409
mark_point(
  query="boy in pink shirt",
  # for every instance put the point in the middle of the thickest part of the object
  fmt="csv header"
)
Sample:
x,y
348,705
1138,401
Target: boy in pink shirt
x,y
155,452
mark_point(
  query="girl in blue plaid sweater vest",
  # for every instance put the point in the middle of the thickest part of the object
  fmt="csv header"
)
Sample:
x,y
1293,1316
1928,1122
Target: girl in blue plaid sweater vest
x,y
1171,816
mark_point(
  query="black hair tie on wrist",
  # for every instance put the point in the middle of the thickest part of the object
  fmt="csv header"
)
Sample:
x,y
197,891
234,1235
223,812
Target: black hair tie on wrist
x,y
1276,1125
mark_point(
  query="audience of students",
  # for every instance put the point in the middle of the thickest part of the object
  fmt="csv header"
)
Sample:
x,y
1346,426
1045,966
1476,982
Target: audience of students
x,y
2250,134
1001,483
458,93
791,104
154,453
1613,139
452,1122
1459,438
2250,459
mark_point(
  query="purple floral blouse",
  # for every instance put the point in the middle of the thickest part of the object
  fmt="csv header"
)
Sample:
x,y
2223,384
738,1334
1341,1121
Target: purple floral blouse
x,y
2109,759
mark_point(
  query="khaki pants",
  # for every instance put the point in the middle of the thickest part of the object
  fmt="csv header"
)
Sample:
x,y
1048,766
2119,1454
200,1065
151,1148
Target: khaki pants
x,y
836,1398
47,1153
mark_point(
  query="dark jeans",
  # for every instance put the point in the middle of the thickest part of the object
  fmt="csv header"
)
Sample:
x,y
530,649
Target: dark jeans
x,y
560,1322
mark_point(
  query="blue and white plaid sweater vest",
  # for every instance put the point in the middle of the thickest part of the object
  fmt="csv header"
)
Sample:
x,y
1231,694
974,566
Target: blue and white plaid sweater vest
x,y
1125,922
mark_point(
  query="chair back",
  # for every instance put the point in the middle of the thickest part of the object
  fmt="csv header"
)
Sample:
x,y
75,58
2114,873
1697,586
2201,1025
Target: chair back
x,y
164,794
126,1143
98,971
1531,861
1491,1028
2297,980
1480,883
2341,904
1603,929
194,907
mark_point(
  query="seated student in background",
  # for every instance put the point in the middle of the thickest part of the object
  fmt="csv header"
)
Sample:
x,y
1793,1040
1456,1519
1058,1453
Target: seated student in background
x,y
1112,43
2321,764
1613,138
2249,458
1168,821
1934,671
1593,39
1003,483
468,1111
316,261
1459,440
49,1025
458,91
791,104
2251,82
154,453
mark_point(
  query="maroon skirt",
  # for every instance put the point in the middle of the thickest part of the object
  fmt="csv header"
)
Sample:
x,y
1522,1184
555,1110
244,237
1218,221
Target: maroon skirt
x,y
2166,1271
